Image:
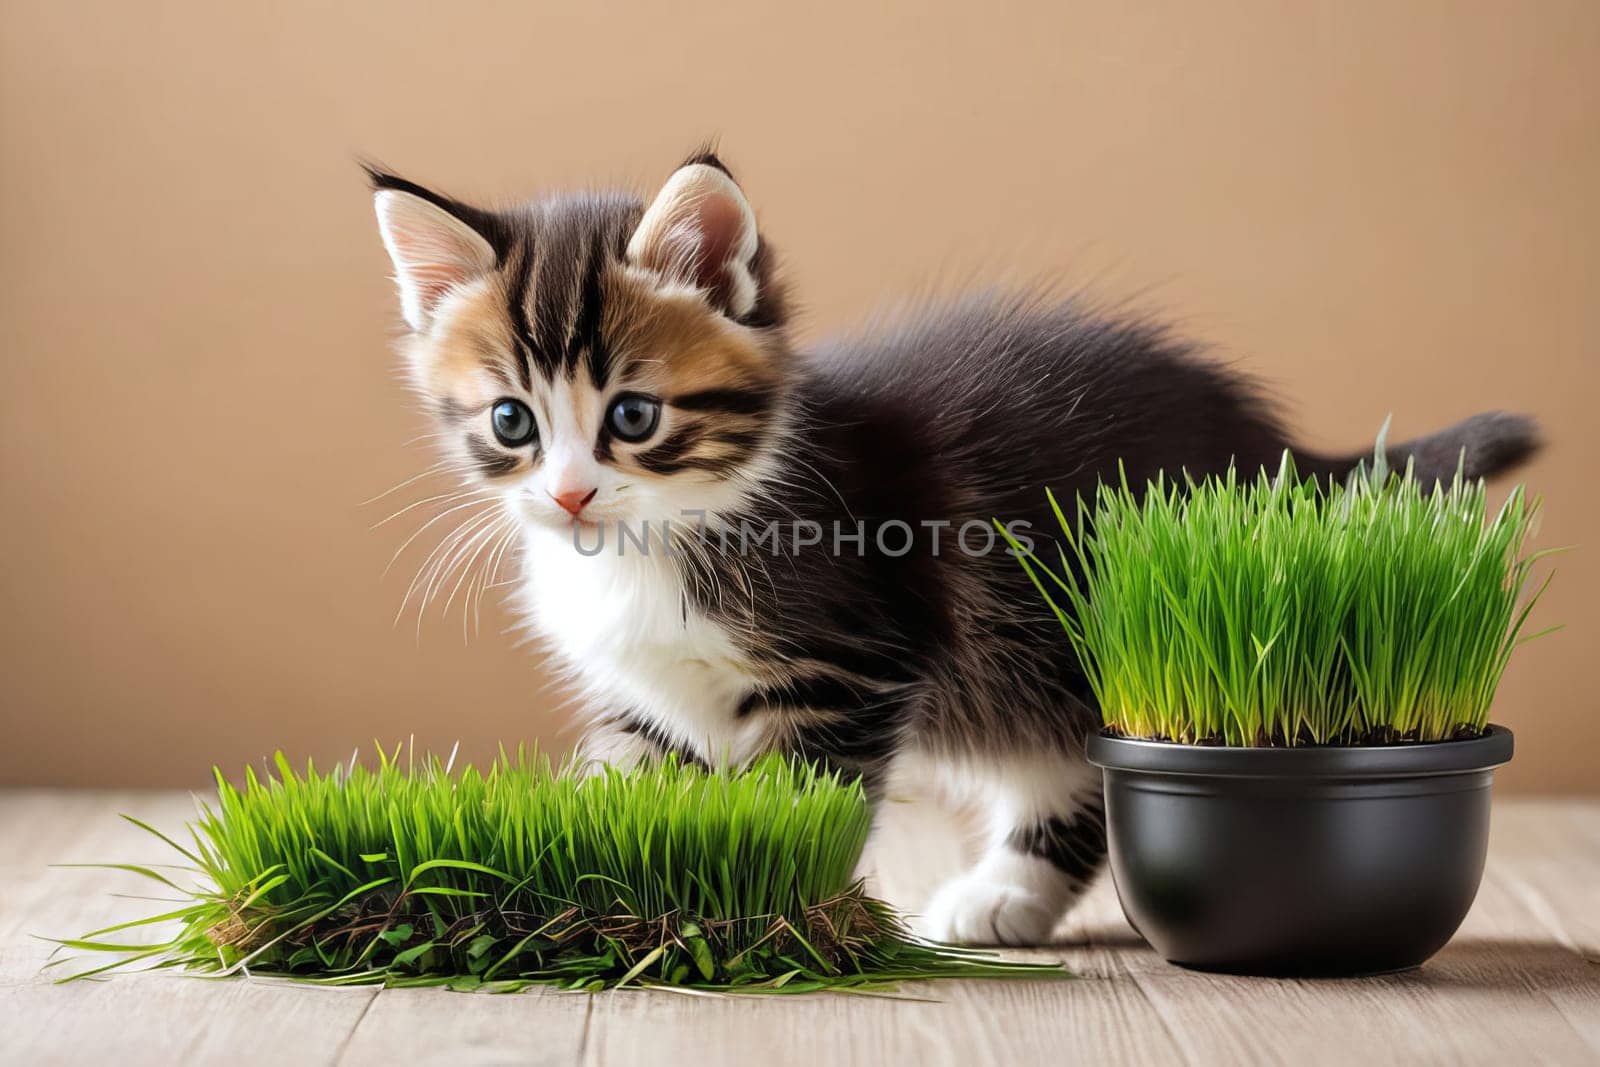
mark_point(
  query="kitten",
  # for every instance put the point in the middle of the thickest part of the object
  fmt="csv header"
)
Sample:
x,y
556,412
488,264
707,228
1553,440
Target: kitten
x,y
733,545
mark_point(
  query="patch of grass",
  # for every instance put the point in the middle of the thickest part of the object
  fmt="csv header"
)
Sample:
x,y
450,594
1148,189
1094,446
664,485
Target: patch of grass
x,y
408,874
1283,611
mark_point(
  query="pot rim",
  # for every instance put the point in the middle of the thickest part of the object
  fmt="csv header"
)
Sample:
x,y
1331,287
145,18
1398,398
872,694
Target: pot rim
x,y
1417,759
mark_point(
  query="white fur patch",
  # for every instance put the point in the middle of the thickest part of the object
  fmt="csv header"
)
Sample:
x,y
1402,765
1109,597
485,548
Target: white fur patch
x,y
1010,790
622,629
1007,899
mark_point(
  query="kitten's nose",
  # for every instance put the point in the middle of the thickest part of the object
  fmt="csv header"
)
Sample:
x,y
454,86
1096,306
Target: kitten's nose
x,y
573,500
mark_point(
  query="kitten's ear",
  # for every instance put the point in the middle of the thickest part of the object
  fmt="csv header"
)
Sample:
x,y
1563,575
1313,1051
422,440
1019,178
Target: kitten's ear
x,y
700,230
432,248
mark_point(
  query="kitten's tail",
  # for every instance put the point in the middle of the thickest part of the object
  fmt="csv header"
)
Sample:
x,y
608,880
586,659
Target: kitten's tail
x,y
1482,446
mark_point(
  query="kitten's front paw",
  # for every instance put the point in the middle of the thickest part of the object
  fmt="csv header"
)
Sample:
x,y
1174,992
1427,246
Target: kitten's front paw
x,y
977,909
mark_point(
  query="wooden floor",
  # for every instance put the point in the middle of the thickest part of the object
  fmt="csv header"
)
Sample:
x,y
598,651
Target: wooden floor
x,y
1519,984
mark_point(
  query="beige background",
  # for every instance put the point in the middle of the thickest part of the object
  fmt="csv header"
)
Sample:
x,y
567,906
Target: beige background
x,y
1380,207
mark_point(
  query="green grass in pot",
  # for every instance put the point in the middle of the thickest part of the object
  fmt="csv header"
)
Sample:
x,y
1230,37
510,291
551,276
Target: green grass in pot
x,y
1281,611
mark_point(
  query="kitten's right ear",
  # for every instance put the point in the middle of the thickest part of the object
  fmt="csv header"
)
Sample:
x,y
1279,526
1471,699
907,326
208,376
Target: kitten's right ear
x,y
700,230
432,246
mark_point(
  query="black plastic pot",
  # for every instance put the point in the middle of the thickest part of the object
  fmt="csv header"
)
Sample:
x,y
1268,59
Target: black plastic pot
x,y
1309,861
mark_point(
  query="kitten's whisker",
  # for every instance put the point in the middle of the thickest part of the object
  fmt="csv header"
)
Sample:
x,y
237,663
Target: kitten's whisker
x,y
489,571
492,576
421,529
426,569
454,494
482,540
442,467
824,479
450,555
431,560
421,437
468,578
463,545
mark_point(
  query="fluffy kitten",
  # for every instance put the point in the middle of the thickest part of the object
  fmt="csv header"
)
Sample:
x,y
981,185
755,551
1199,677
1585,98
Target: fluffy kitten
x,y
610,366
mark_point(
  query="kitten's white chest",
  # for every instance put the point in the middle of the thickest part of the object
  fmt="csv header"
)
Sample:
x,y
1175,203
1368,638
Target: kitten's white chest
x,y
622,629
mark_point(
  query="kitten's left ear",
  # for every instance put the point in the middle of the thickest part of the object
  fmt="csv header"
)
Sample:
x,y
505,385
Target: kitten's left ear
x,y
700,230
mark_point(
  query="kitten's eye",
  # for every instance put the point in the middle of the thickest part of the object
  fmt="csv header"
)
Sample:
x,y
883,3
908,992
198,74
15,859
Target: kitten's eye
x,y
633,417
513,423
